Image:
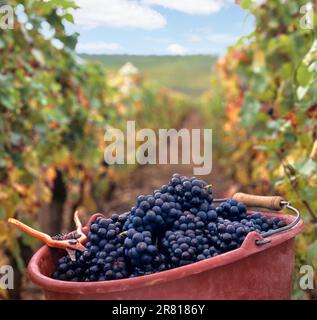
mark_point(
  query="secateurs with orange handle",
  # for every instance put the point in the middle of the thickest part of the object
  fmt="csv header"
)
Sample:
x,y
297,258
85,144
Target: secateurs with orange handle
x,y
70,242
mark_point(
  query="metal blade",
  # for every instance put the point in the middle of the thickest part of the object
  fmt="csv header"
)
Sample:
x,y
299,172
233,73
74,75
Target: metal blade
x,y
72,254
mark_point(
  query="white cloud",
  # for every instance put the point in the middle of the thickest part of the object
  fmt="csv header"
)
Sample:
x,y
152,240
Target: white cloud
x,y
176,49
98,47
117,13
138,13
190,6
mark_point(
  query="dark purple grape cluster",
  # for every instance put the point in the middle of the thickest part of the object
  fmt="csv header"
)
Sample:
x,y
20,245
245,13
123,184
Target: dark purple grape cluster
x,y
232,210
159,263
260,223
104,258
187,239
140,248
229,236
188,192
68,270
146,221
176,226
183,247
154,214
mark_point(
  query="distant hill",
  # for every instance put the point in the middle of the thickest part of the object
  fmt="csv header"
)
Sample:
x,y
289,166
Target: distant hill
x,y
188,74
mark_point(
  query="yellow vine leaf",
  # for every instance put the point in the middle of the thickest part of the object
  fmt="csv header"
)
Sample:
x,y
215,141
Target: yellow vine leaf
x,y
50,174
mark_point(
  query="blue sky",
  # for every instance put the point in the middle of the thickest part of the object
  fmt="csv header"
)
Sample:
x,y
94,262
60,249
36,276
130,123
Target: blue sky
x,y
159,26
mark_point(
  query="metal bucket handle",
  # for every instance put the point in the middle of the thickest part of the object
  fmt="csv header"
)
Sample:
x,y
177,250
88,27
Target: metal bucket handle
x,y
267,202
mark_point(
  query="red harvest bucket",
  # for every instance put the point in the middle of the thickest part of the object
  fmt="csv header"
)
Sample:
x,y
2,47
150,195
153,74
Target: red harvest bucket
x,y
261,268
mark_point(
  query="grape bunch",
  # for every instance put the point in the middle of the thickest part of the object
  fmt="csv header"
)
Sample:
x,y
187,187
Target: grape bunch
x,y
175,226
187,239
153,215
145,223
103,258
229,235
190,193
232,210
159,263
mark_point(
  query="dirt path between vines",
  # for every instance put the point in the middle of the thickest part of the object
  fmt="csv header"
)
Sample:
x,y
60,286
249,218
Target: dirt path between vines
x,y
147,178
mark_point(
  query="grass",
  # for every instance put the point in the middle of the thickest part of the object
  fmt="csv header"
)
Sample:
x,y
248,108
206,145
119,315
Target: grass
x,y
187,74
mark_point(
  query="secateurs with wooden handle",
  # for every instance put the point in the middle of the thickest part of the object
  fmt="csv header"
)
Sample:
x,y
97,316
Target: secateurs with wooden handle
x,y
70,242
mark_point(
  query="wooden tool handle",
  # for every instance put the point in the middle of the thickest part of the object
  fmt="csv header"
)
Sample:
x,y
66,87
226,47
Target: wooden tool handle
x,y
250,200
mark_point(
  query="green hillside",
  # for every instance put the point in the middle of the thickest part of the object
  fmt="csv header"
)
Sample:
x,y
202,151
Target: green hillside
x,y
188,74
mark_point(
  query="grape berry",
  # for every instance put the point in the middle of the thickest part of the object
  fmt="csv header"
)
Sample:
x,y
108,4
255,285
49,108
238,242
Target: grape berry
x,y
176,226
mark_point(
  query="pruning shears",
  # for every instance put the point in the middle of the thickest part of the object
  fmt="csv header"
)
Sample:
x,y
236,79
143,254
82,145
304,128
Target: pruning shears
x,y
70,242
